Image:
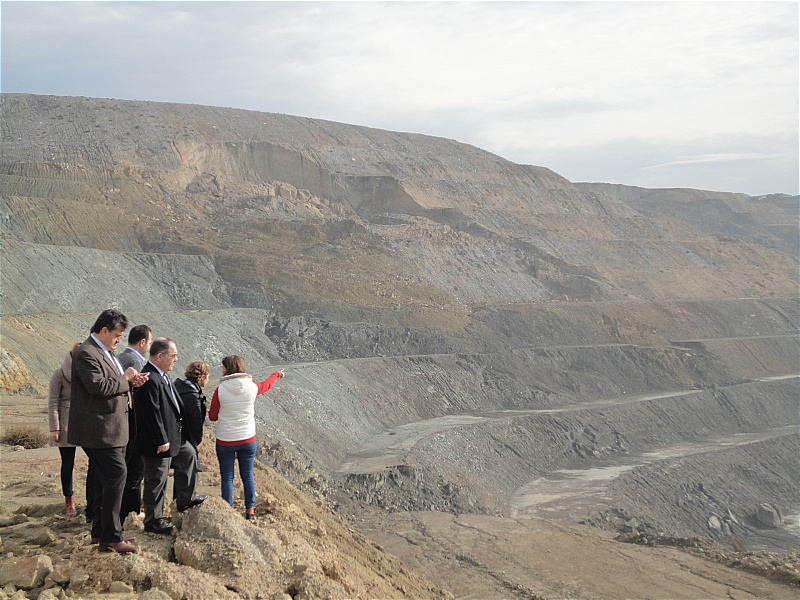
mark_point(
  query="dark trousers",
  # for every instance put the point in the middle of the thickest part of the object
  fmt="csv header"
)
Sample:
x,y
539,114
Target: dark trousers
x,y
184,474
110,473
67,464
67,467
156,472
90,477
132,496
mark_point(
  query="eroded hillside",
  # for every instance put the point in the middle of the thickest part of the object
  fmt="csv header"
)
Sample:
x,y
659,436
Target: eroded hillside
x,y
456,328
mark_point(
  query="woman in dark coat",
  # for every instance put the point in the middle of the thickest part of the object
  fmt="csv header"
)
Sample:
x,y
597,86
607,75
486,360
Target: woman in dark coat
x,y
194,402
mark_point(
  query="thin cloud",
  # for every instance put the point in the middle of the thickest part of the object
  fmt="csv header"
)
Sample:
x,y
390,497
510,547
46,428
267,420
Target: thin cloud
x,y
715,158
536,82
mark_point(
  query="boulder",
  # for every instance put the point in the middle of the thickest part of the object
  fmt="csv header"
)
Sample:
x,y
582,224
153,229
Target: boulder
x,y
119,587
7,521
769,515
61,573
14,373
77,579
26,573
714,523
44,537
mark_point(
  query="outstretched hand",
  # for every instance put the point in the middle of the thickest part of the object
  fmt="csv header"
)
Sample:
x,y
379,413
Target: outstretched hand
x,y
281,374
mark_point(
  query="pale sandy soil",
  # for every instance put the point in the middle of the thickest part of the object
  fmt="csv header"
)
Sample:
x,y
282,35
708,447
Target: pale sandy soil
x,y
477,556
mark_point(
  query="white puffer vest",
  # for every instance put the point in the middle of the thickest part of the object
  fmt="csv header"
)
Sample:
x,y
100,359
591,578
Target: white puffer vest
x,y
237,398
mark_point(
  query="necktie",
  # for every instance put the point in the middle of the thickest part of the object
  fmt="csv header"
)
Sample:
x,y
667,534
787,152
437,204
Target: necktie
x,y
115,362
172,392
121,371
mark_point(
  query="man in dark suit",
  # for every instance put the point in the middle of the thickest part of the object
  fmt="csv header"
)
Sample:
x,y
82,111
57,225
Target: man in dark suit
x,y
135,354
158,422
139,339
98,422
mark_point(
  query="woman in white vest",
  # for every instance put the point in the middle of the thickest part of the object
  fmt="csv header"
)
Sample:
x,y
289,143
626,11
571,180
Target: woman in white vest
x,y
233,408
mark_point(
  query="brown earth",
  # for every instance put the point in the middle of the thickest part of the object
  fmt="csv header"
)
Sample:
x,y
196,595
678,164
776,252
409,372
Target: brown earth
x,y
296,547
300,547
461,335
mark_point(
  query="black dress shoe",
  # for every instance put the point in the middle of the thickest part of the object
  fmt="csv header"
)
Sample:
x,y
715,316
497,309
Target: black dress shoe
x,y
159,526
193,502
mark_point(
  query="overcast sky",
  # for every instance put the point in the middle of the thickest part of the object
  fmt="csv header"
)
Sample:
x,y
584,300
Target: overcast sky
x,y
655,94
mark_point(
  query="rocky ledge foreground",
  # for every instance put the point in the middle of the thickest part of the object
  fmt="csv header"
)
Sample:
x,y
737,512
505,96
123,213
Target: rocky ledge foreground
x,y
295,549
299,549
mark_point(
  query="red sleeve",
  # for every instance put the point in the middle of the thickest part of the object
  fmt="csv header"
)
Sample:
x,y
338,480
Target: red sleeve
x,y
263,386
213,412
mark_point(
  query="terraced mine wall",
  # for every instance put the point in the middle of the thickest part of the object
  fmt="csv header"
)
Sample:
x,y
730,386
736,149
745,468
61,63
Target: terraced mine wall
x,y
459,333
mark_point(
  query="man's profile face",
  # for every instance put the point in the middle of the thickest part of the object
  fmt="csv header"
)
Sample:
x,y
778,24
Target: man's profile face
x,y
167,359
110,338
146,348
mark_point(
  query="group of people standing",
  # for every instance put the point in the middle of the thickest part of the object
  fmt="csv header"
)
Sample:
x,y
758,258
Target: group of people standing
x,y
135,424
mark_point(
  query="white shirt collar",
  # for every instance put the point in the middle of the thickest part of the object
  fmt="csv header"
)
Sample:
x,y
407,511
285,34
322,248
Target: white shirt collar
x,y
160,372
136,352
99,343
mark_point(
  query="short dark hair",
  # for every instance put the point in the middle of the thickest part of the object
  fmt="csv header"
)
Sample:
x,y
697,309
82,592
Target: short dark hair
x,y
233,364
110,319
138,333
160,345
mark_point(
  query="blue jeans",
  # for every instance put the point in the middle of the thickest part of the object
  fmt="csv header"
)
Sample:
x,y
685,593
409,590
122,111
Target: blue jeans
x,y
246,454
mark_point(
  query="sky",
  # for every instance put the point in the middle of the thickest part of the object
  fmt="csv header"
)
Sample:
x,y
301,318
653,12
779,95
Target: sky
x,y
652,94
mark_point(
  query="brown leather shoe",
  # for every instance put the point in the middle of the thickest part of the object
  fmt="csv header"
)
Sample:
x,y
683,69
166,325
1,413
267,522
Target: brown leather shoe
x,y
70,510
125,538
119,548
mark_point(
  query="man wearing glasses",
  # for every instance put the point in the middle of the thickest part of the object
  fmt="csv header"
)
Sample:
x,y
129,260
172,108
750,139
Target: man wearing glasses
x,y
159,414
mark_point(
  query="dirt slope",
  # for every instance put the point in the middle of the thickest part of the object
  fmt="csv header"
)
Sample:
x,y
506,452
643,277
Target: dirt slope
x,y
317,555
297,546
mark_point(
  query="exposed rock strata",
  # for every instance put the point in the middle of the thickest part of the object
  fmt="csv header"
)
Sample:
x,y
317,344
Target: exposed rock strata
x,y
408,282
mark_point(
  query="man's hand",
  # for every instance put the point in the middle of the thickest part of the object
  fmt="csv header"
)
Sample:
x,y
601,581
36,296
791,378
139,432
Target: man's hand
x,y
135,378
55,436
162,448
140,379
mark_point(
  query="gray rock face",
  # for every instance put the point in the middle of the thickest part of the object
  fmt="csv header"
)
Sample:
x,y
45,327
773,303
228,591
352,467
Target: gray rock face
x,y
758,220
61,276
